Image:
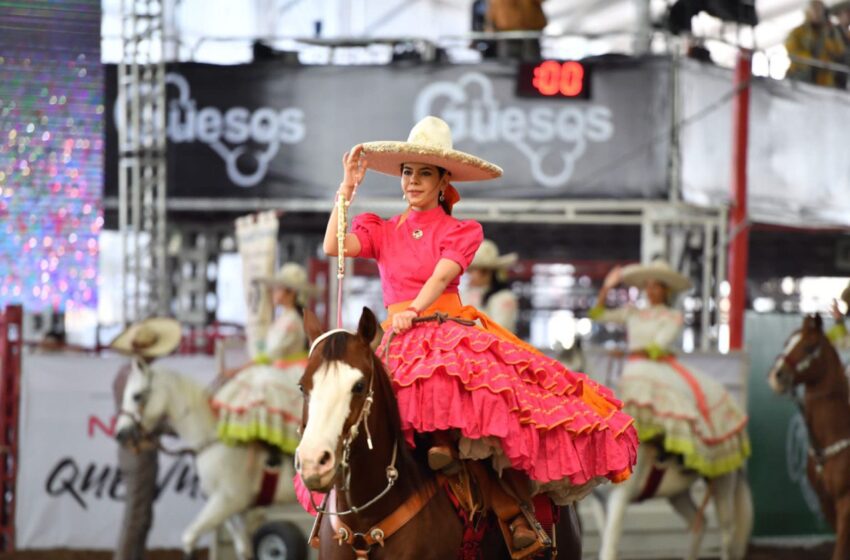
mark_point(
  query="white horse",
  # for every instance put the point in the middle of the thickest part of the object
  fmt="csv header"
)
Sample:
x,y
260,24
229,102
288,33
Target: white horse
x,y
730,494
230,476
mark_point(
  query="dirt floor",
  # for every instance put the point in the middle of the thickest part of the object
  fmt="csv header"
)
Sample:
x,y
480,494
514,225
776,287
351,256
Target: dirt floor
x,y
756,553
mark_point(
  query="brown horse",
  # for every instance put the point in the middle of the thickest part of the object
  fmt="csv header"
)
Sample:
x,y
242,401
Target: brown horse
x,y
810,360
384,502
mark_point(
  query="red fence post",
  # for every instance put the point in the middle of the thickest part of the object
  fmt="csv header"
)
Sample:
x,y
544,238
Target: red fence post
x,y
739,236
10,398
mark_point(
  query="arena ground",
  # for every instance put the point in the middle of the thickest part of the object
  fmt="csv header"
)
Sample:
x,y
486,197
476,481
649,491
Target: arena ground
x,y
821,552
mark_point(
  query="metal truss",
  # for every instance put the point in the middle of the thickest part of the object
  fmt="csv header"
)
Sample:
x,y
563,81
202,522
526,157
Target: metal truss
x,y
142,160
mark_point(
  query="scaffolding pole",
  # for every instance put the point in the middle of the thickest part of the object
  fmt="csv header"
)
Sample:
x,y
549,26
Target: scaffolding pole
x,y
142,161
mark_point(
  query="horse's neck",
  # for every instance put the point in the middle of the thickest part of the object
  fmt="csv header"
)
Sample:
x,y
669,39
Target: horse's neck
x,y
827,405
189,412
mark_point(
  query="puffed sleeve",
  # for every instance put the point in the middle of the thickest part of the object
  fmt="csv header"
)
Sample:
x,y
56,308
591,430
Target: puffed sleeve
x,y
368,229
461,241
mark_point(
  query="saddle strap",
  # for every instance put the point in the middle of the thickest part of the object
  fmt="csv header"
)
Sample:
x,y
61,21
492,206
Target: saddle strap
x,y
362,543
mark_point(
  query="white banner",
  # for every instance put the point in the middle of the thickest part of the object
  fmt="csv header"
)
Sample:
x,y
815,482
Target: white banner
x,y
69,490
798,161
257,241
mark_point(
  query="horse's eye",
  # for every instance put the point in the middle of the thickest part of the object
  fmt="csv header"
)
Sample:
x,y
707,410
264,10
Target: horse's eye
x,y
358,388
301,388
137,397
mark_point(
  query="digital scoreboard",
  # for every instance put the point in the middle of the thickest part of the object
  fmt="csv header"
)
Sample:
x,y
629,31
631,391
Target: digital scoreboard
x,y
553,79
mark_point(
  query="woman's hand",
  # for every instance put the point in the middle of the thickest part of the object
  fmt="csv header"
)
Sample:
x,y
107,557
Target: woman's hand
x,y
353,170
836,311
403,320
613,278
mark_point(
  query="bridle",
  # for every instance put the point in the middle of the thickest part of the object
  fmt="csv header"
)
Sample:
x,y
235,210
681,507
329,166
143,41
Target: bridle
x,y
353,432
136,418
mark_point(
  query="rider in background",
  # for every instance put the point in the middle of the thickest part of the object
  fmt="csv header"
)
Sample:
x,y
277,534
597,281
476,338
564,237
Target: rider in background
x,y
487,289
474,392
683,411
138,459
838,334
261,401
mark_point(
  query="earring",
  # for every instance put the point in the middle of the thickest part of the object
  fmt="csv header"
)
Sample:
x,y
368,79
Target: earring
x,y
442,197
403,196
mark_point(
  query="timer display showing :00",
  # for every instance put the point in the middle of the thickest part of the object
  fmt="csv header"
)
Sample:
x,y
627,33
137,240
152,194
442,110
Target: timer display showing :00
x,y
553,79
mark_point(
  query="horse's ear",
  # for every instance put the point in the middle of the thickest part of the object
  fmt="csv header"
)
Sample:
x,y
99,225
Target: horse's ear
x,y
368,325
312,326
818,321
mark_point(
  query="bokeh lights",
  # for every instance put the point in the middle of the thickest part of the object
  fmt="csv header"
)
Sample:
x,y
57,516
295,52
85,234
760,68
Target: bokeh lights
x,y
51,153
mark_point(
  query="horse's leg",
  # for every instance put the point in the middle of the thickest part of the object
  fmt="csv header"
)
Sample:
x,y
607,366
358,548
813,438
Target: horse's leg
x,y
619,498
842,528
215,511
615,510
743,516
239,533
687,509
723,493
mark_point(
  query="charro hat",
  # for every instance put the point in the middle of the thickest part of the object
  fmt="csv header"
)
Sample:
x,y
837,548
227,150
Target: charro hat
x,y
487,256
430,142
151,338
658,270
293,276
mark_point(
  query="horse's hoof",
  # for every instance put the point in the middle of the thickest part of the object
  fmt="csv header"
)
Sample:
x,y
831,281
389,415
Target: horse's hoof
x,y
189,555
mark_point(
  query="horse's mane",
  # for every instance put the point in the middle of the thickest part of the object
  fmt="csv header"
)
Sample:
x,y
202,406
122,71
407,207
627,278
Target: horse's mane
x,y
189,389
335,350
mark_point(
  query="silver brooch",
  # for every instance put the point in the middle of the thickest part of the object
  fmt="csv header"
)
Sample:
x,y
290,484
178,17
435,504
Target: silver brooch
x,y
417,234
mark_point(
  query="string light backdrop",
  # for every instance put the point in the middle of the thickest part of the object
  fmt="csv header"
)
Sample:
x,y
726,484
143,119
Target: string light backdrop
x,y
51,153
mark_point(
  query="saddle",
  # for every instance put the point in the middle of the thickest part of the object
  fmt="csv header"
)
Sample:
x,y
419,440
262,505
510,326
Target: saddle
x,y
476,492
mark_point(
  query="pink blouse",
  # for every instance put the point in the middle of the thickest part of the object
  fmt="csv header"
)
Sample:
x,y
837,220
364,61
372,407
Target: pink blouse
x,y
407,254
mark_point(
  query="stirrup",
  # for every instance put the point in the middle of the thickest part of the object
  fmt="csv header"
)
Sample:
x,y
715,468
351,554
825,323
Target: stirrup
x,y
443,458
524,553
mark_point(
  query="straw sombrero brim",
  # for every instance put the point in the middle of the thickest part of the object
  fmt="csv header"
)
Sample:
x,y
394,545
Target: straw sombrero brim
x,y
639,274
308,290
502,261
388,157
168,338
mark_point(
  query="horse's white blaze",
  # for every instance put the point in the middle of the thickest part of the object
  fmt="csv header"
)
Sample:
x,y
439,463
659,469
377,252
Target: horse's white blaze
x,y
329,405
773,376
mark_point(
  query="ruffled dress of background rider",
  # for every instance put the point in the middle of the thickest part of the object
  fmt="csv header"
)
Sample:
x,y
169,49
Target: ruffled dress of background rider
x,y
262,401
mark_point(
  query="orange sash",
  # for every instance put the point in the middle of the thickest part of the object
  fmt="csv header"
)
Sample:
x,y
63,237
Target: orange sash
x,y
452,306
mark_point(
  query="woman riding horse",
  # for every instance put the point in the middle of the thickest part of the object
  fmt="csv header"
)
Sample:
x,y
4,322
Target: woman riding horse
x,y
262,401
683,411
478,392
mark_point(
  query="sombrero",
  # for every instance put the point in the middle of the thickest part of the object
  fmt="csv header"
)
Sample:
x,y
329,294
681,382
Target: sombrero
x,y
151,338
430,141
293,276
659,270
487,256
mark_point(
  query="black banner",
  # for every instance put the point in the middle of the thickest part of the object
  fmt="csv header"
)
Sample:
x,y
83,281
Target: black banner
x,y
277,131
